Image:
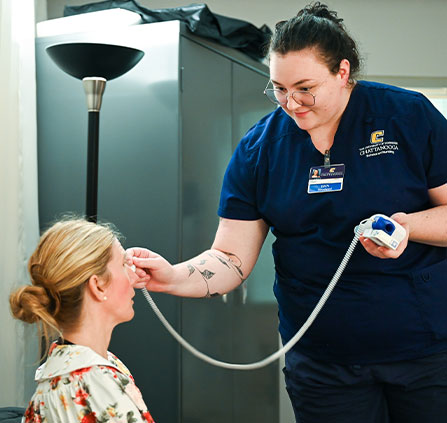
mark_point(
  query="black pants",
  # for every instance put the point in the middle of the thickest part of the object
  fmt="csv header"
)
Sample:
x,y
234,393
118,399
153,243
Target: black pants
x,y
412,391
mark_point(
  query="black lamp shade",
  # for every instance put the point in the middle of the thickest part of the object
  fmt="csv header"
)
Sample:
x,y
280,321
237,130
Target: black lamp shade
x,y
83,60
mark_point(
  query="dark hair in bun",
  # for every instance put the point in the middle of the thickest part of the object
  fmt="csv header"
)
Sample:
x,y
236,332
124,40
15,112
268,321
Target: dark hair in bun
x,y
317,27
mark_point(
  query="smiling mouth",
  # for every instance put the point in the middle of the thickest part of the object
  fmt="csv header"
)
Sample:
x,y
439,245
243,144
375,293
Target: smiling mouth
x,y
299,114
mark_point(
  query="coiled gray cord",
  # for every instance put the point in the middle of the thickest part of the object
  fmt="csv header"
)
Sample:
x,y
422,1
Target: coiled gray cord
x,y
292,341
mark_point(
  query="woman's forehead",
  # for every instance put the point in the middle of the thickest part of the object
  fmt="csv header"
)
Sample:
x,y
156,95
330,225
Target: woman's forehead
x,y
117,248
296,66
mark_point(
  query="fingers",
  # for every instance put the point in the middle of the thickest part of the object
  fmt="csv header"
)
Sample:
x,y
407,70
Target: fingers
x,y
141,273
140,285
143,277
381,252
147,263
152,270
139,252
140,258
143,267
372,248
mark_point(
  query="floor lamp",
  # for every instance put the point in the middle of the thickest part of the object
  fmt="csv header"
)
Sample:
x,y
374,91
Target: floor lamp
x,y
94,64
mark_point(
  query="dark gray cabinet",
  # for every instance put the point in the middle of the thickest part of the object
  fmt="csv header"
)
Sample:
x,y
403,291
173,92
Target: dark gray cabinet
x,y
167,131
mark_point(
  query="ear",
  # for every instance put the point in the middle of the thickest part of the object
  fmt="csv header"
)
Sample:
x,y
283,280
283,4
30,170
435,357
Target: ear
x,y
344,71
96,287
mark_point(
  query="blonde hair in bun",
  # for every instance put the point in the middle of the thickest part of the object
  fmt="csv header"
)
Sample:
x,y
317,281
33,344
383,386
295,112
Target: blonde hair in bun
x,y
68,254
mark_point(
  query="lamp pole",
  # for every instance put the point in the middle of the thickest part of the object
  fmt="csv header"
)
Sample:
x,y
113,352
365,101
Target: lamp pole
x,y
94,89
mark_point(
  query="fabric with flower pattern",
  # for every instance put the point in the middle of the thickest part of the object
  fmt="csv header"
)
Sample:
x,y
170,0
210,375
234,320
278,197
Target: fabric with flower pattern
x,y
76,384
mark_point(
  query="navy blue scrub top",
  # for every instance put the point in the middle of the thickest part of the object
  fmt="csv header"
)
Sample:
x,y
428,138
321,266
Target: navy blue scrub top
x,y
393,143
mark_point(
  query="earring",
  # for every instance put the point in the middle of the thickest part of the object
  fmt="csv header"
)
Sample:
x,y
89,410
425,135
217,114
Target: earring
x,y
105,298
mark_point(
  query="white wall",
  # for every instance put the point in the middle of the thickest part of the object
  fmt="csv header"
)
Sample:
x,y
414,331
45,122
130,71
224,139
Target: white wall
x,y
19,227
40,10
404,38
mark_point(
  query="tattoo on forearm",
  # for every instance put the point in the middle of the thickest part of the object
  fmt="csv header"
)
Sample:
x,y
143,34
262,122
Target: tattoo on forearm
x,y
233,262
206,275
191,269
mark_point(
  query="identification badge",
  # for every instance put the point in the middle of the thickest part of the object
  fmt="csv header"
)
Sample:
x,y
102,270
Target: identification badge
x,y
326,178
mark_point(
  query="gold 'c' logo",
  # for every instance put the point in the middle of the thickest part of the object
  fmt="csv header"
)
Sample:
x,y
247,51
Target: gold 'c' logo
x,y
377,136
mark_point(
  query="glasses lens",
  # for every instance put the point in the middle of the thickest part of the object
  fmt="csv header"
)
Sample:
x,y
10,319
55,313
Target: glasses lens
x,y
276,96
305,98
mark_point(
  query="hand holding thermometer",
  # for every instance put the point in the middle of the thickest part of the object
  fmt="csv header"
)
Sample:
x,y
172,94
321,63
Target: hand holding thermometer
x,y
383,230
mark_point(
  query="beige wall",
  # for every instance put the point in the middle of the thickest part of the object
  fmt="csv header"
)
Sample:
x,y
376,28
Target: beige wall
x,y
397,38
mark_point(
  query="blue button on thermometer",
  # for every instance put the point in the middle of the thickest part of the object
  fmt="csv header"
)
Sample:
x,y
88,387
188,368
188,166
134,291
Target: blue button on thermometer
x,y
384,231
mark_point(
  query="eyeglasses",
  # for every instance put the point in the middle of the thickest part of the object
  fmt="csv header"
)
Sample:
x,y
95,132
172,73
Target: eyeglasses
x,y
302,98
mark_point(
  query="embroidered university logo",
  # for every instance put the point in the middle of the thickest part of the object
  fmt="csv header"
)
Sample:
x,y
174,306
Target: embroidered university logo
x,y
378,145
377,136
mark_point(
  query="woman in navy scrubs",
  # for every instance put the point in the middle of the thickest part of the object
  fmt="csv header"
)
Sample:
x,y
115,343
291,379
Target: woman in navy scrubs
x,y
378,350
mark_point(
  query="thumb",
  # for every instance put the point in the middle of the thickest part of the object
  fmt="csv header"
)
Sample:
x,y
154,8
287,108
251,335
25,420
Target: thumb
x,y
402,219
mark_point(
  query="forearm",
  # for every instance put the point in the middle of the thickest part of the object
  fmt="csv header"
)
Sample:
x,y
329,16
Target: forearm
x,y
214,272
429,226
209,274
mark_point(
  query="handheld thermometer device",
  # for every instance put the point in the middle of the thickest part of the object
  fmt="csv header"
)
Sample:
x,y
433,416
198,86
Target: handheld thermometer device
x,y
379,228
383,231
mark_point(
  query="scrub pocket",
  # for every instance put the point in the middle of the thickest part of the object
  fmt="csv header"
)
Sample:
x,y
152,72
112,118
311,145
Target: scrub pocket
x,y
431,291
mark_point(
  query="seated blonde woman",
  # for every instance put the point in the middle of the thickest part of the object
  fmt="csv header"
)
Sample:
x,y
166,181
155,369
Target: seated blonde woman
x,y
82,287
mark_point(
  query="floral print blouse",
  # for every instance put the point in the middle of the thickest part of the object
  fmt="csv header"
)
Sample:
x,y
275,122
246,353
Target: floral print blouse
x,y
76,384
